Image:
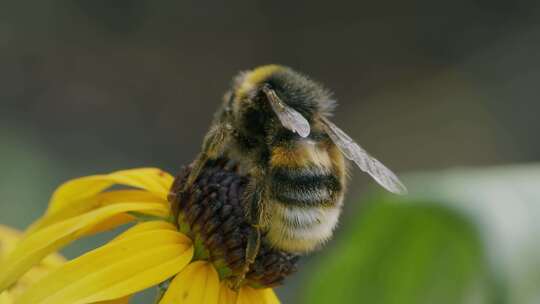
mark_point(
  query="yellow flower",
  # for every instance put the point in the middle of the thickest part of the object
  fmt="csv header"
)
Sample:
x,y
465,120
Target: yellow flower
x,y
147,254
8,240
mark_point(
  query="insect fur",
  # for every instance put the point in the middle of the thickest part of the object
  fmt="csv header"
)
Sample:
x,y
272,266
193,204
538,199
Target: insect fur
x,y
276,124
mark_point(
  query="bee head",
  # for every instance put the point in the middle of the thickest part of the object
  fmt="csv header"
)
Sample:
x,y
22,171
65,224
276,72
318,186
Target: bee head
x,y
274,97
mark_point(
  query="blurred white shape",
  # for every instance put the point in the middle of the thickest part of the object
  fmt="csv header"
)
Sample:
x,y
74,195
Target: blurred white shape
x,y
504,203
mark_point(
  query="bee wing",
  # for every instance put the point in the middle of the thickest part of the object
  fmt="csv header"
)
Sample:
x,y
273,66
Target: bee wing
x,y
289,117
292,120
363,160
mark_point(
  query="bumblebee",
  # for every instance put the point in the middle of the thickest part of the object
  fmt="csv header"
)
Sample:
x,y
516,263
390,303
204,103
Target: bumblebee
x,y
275,122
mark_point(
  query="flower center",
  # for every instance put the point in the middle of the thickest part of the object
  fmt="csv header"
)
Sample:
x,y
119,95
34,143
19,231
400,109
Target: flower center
x,y
213,215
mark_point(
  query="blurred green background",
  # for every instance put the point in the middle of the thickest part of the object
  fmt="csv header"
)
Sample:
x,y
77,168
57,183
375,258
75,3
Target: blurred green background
x,y
443,92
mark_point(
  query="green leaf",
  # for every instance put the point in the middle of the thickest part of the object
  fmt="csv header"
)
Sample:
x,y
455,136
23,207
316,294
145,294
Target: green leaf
x,y
398,253
504,203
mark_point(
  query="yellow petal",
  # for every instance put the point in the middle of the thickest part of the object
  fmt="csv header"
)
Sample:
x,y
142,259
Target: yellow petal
x,y
118,269
5,298
226,295
34,247
145,227
248,295
88,204
32,276
52,261
124,300
153,180
8,239
197,284
110,223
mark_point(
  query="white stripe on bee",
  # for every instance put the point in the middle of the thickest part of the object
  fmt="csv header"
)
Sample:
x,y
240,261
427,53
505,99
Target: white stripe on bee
x,y
300,217
297,229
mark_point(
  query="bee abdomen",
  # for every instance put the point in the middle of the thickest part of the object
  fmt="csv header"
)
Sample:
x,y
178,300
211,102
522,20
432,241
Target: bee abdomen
x,y
300,230
304,187
305,203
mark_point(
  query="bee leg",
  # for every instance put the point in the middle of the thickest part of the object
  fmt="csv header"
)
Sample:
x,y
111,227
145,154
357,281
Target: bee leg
x,y
254,214
252,250
212,147
196,168
177,198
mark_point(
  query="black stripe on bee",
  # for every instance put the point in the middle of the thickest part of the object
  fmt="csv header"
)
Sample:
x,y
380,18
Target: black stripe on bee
x,y
304,186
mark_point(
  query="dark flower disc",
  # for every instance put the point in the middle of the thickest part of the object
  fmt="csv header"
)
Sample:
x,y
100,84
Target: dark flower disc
x,y
212,213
